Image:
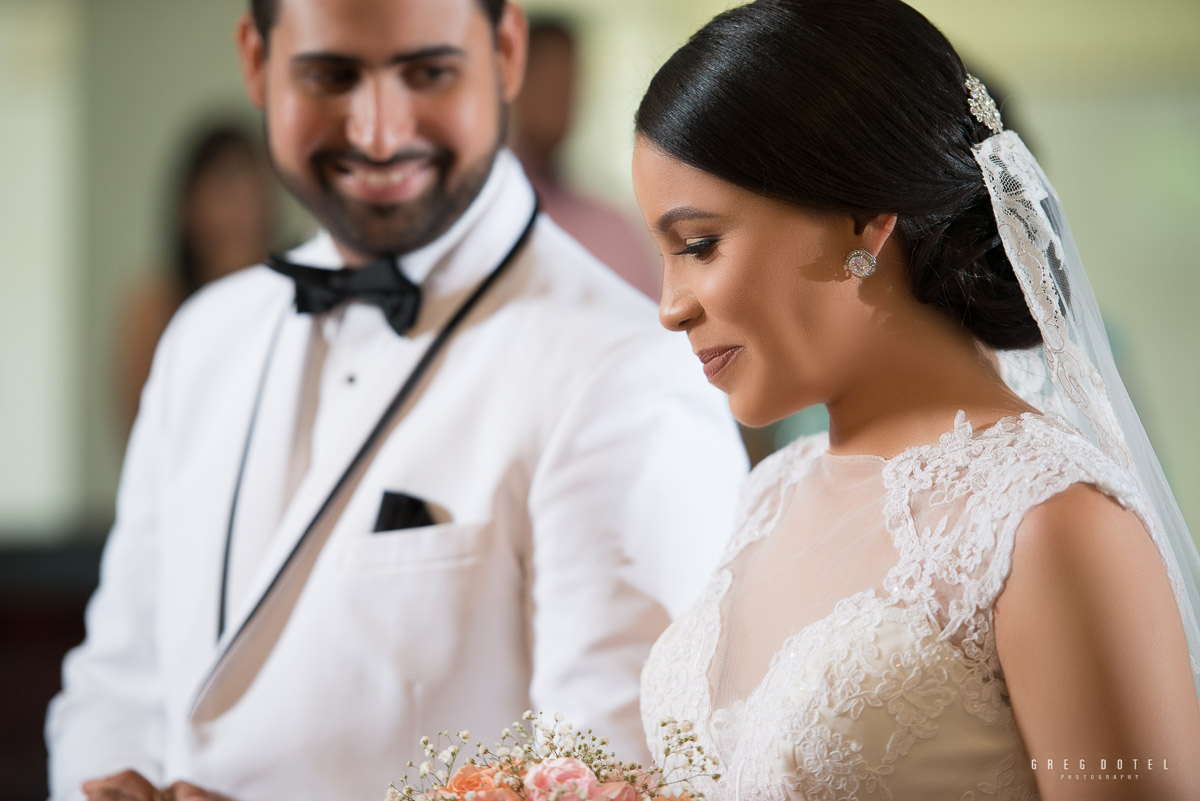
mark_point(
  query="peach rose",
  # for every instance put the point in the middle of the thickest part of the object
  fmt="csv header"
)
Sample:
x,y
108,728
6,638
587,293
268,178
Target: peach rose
x,y
497,794
474,784
567,776
615,791
471,779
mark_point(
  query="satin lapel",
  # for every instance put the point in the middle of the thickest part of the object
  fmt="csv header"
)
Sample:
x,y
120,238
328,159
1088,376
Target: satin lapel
x,y
258,493
305,525
261,493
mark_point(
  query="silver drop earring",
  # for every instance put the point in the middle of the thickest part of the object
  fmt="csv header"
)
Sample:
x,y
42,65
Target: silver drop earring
x,y
861,263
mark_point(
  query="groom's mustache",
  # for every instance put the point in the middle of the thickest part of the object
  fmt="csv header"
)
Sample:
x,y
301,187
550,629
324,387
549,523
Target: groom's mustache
x,y
439,157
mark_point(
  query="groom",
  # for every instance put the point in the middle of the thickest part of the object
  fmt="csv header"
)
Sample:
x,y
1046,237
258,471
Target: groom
x,y
467,476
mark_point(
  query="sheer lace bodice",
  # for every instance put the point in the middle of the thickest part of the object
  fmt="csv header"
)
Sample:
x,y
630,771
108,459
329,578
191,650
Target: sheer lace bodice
x,y
844,649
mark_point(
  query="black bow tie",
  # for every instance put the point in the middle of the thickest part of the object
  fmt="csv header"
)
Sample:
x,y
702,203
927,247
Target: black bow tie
x,y
380,283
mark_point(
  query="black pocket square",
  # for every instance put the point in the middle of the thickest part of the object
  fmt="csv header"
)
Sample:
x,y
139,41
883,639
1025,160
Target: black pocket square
x,y
402,511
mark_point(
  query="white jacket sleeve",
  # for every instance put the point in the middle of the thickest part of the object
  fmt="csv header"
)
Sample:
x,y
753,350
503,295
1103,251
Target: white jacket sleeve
x,y
108,716
632,505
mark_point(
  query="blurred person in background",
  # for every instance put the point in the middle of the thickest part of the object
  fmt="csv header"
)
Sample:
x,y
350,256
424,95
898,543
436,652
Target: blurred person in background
x,y
544,112
224,219
462,476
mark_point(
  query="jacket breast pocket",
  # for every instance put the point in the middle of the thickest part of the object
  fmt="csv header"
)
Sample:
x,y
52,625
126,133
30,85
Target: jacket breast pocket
x,y
445,546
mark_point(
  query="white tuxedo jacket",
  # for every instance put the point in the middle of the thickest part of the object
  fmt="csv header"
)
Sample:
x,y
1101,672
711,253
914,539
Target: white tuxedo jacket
x,y
582,476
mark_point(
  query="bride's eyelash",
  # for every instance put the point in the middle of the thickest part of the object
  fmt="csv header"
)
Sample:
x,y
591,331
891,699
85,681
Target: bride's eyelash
x,y
699,248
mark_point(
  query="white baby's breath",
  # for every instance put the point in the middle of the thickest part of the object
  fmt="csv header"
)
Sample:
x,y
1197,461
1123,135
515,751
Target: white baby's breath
x,y
523,746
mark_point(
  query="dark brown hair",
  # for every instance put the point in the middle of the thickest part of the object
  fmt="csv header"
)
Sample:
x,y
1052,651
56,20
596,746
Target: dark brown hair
x,y
855,107
265,11
206,148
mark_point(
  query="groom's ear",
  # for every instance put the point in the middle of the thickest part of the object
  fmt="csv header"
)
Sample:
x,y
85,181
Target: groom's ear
x,y
512,49
252,57
874,232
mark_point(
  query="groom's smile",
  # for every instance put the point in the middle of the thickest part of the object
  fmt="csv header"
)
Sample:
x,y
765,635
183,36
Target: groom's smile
x,y
385,120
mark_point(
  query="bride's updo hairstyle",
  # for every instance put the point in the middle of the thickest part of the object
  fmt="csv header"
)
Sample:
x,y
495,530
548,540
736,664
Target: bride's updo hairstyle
x,y
854,107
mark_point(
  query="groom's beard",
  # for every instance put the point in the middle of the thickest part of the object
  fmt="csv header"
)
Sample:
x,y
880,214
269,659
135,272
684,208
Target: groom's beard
x,y
390,229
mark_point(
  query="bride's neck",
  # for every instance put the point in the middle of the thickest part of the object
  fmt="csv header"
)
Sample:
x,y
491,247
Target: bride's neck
x,y
922,372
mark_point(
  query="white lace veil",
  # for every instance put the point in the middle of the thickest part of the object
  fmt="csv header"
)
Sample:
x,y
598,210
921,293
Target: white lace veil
x,y
1073,372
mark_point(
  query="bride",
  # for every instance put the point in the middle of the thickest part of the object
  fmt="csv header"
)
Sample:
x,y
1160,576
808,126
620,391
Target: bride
x,y
977,585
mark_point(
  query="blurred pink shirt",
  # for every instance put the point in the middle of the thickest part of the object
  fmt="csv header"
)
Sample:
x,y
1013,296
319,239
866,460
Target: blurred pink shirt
x,y
603,230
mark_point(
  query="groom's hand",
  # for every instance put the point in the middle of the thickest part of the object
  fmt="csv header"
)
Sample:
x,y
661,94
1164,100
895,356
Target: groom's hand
x,y
128,785
185,791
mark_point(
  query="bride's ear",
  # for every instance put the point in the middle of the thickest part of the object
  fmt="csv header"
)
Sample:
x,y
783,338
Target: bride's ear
x,y
874,232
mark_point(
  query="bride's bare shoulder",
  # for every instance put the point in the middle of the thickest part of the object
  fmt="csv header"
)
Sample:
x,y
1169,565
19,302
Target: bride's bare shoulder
x,y
1083,544
1082,517
1090,639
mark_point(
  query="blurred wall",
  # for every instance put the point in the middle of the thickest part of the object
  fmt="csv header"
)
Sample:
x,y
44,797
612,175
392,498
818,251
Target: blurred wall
x,y
41,306
96,94
1108,95
151,71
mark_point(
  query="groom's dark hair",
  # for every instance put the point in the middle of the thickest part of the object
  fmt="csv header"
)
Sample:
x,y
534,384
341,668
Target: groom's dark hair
x,y
264,13
855,107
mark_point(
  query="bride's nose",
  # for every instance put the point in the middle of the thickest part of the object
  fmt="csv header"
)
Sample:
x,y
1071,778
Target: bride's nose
x,y
678,310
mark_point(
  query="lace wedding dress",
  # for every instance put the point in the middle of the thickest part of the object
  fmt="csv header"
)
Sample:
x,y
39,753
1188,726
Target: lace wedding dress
x,y
845,648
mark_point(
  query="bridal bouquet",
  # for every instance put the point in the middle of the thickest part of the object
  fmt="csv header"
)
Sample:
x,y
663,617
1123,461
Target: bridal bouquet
x,y
552,761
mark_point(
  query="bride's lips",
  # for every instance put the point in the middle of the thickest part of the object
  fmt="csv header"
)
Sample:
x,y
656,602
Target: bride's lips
x,y
392,183
717,359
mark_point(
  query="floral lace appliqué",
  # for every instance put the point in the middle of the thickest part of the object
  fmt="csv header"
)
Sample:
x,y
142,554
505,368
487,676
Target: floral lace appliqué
x,y
855,704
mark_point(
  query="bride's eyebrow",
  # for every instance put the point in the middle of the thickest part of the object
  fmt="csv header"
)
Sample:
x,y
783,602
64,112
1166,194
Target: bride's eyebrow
x,y
680,213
